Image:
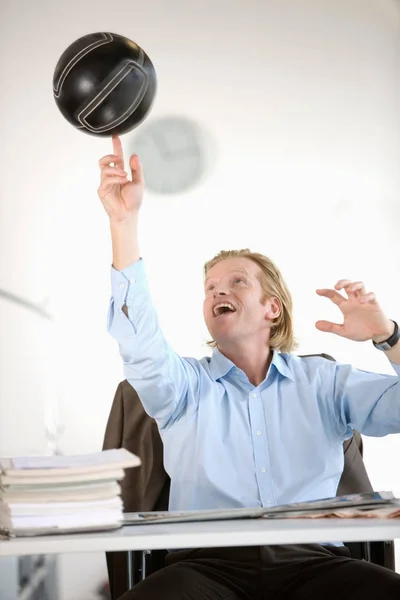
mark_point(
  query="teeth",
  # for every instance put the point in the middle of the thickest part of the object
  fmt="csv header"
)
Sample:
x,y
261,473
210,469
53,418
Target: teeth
x,y
223,305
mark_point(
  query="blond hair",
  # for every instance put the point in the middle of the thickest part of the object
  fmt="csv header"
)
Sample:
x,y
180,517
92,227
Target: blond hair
x,y
272,283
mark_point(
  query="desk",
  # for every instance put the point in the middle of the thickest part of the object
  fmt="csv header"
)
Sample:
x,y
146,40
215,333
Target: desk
x,y
243,532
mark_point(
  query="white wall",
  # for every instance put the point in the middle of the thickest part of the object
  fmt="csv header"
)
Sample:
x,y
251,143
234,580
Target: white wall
x,y
301,100
25,395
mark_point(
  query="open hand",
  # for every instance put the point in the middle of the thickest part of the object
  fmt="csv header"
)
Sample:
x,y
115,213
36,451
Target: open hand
x,y
363,318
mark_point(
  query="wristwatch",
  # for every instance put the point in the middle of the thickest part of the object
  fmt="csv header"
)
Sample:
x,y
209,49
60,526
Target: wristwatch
x,y
390,342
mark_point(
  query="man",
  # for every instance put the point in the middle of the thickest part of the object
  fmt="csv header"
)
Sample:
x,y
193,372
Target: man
x,y
254,425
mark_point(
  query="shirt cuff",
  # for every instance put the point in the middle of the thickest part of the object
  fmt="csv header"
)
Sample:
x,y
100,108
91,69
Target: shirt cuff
x,y
129,285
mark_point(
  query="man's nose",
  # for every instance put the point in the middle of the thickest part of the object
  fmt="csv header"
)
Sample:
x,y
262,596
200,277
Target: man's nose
x,y
219,292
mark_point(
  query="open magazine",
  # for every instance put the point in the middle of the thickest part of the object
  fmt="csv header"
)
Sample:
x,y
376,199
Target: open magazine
x,y
378,505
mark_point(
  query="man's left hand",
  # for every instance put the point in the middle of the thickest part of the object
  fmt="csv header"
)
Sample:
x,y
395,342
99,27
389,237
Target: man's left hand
x,y
363,318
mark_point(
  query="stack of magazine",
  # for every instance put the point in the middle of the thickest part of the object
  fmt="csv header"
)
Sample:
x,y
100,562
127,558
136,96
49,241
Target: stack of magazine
x,y
62,494
376,505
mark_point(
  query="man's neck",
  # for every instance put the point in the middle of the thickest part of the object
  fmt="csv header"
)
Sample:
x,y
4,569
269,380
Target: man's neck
x,y
254,360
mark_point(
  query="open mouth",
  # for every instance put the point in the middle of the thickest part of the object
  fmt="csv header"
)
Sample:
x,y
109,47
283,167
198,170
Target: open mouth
x,y
223,308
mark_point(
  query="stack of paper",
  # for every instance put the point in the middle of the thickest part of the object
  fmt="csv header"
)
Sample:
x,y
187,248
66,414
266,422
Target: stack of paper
x,y
57,494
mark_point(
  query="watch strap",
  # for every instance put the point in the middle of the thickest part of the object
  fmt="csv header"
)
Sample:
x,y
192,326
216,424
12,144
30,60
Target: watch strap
x,y
390,342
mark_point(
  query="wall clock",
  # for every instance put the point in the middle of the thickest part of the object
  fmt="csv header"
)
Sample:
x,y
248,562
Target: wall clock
x,y
172,150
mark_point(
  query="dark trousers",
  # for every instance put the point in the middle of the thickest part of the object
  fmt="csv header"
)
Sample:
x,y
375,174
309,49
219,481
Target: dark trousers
x,y
297,572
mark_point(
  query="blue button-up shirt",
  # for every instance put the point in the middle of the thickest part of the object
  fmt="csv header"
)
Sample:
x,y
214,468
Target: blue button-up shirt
x,y
229,444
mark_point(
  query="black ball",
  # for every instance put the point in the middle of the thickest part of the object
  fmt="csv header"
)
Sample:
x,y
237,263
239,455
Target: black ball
x,y
104,84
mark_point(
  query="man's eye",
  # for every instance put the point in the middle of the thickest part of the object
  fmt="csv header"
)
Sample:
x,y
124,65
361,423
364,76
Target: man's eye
x,y
239,280
210,288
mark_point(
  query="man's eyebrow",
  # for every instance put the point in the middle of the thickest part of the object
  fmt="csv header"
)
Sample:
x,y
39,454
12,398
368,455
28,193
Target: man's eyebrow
x,y
240,271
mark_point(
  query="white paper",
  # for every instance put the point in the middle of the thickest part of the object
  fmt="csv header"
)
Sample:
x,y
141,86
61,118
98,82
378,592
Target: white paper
x,y
106,457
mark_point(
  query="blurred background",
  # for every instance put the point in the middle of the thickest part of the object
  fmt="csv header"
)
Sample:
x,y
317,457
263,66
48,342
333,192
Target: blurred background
x,y
292,108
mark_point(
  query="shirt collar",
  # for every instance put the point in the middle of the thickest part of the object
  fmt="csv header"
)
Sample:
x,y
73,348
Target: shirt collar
x,y
220,365
280,363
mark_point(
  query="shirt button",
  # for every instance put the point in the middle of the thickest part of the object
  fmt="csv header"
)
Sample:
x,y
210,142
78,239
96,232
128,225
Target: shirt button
x,y
254,395
262,469
133,280
258,432
121,285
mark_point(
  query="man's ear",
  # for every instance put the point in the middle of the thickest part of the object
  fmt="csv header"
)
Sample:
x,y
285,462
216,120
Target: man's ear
x,y
273,308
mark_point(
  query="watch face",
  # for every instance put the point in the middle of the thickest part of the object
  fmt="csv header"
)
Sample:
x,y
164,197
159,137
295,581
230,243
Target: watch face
x,y
384,346
172,152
